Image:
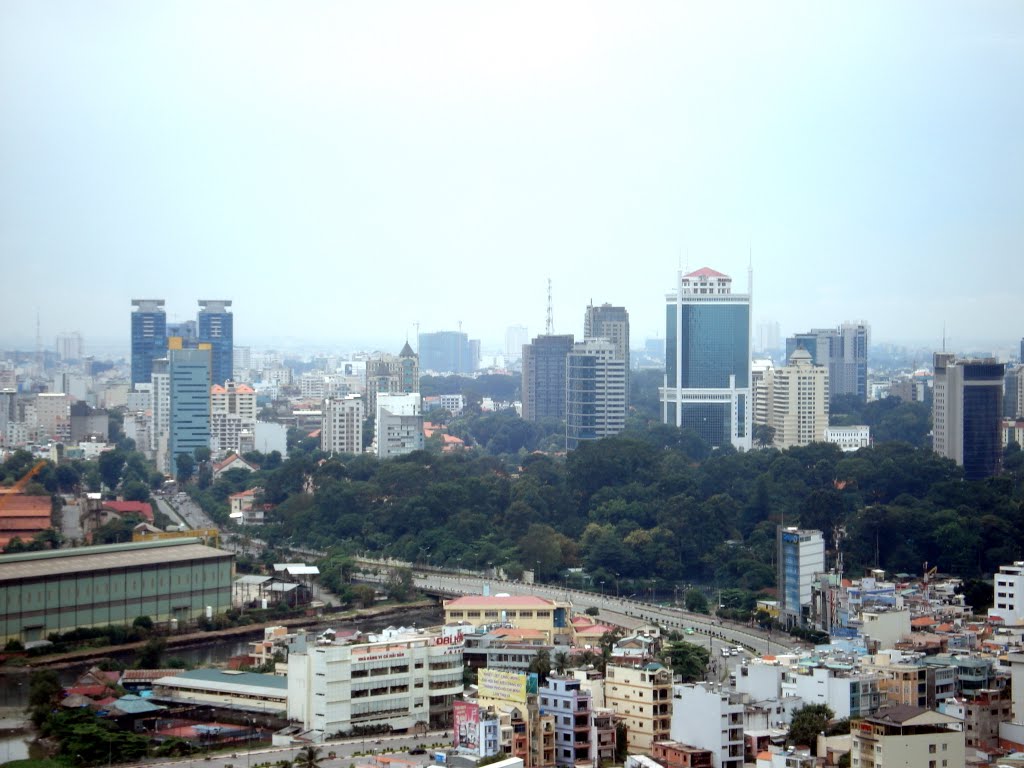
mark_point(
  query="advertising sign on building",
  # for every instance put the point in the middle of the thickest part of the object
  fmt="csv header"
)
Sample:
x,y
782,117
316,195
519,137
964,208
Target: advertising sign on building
x,y
467,727
497,684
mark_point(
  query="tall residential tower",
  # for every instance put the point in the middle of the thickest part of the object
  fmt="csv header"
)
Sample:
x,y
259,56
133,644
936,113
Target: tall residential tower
x,y
217,328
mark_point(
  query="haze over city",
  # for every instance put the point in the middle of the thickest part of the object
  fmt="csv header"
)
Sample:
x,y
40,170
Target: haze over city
x,y
343,172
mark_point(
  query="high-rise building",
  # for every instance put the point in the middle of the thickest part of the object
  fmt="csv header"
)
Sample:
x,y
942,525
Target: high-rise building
x,y
217,328
595,399
967,411
515,337
448,352
160,429
149,337
767,338
544,366
844,350
69,346
232,413
612,323
707,367
189,417
241,362
801,557
342,430
391,375
1013,392
798,406
398,427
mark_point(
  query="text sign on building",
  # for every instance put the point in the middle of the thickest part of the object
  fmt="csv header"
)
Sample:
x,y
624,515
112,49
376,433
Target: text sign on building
x,y
466,726
496,684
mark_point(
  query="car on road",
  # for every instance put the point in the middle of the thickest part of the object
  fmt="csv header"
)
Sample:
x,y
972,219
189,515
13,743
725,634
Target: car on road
x,y
418,750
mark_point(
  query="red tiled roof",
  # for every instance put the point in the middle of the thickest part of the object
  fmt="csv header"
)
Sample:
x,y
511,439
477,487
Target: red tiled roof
x,y
21,505
705,272
923,621
129,507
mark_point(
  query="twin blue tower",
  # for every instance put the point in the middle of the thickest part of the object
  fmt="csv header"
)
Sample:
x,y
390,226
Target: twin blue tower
x,y
214,325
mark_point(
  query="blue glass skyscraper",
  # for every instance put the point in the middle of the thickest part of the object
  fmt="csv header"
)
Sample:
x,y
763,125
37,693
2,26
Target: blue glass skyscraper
x,y
189,372
707,359
216,328
149,337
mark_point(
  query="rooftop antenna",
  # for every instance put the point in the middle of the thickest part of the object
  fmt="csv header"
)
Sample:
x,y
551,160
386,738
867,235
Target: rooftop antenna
x,y
549,327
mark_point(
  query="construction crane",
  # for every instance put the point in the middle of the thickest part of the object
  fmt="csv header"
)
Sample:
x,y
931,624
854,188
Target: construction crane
x,y
22,481
928,573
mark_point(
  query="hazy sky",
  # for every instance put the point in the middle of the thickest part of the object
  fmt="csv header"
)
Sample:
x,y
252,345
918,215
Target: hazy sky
x,y
345,170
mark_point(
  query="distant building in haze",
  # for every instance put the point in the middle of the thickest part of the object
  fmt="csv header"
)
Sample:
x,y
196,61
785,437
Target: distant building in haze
x,y
844,350
149,337
448,352
612,323
1013,392
707,366
342,430
515,337
595,404
189,418
217,328
543,388
798,405
967,413
69,346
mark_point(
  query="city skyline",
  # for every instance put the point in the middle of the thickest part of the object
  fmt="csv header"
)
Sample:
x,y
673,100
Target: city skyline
x,y
862,158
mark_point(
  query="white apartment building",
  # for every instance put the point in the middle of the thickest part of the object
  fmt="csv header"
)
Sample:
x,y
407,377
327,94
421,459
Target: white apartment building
x,y
232,412
398,428
453,403
399,678
1008,594
53,415
342,430
760,370
160,425
709,716
798,406
849,439
847,692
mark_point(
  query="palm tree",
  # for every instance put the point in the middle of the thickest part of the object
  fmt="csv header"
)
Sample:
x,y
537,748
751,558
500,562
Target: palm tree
x,y
308,757
561,662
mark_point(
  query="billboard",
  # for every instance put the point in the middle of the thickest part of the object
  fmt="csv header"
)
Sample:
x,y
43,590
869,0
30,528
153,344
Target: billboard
x,y
466,726
497,684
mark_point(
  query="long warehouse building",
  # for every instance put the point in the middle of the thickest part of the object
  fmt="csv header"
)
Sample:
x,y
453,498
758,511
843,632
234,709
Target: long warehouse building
x,y
61,590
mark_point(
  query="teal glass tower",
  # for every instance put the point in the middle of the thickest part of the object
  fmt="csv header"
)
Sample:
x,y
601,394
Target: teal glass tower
x,y
707,359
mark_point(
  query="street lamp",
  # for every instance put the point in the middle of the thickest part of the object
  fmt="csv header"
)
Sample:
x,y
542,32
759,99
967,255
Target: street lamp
x,y
602,587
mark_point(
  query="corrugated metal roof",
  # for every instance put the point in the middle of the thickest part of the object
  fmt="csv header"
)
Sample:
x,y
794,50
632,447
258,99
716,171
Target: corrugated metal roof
x,y
228,681
34,565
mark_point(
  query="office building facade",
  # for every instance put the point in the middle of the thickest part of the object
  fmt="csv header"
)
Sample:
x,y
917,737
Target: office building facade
x,y
967,413
216,327
544,368
189,395
844,350
612,323
149,337
398,427
801,557
595,394
708,359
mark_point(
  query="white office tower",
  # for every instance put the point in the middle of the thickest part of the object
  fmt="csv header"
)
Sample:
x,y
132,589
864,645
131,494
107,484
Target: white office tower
x,y
398,427
595,386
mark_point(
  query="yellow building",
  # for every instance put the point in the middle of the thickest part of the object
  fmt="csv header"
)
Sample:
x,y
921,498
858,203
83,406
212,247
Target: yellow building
x,y
521,611
642,696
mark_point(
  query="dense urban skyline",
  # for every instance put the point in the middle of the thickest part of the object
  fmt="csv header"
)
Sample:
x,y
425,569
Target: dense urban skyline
x,y
306,161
